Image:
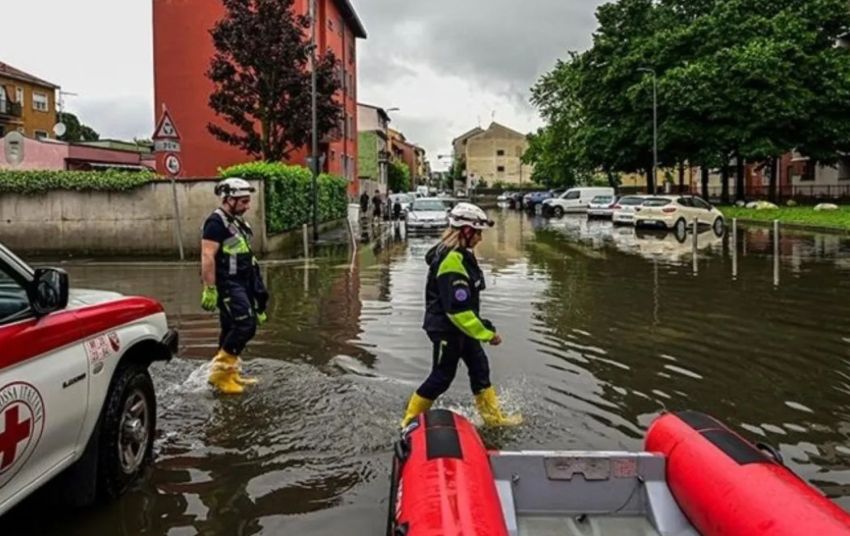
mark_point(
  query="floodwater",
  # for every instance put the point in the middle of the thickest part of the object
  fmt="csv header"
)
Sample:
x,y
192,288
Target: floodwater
x,y
603,328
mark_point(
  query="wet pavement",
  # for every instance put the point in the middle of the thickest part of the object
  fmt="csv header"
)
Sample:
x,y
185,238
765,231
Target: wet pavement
x,y
603,328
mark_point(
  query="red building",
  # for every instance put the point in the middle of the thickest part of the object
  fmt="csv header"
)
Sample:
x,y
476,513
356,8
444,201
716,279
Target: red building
x,y
183,49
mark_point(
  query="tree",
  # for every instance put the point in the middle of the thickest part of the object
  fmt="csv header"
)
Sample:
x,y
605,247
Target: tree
x,y
74,130
262,79
398,177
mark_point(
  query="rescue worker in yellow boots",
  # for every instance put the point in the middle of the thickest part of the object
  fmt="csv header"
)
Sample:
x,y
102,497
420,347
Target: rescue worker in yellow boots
x,y
232,282
452,319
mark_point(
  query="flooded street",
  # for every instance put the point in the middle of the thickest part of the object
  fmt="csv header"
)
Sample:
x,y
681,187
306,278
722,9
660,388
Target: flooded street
x,y
603,329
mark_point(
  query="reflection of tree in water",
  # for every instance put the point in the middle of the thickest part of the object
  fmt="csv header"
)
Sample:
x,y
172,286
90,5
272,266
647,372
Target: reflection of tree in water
x,y
743,351
315,324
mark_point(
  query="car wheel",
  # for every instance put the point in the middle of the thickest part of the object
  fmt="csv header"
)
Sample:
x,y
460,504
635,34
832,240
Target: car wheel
x,y
680,230
719,227
127,428
558,211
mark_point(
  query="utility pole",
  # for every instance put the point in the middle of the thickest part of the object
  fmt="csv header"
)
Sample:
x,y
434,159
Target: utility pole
x,y
314,163
654,127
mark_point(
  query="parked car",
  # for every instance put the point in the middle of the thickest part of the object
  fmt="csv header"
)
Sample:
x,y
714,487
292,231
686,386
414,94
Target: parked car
x,y
515,200
601,206
428,214
678,212
504,197
531,200
573,200
624,210
76,397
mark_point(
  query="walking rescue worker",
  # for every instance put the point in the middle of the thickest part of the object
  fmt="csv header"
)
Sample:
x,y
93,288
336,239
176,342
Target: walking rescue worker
x,y
376,205
232,282
452,319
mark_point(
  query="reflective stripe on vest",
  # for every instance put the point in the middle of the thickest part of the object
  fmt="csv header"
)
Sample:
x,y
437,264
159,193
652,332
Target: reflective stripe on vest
x,y
237,244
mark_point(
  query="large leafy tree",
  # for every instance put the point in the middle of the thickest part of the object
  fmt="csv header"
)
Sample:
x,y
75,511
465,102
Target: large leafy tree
x,y
262,79
398,176
737,79
74,130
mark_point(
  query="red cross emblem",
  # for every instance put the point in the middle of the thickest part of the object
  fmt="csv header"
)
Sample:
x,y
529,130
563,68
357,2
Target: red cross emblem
x,y
15,430
21,426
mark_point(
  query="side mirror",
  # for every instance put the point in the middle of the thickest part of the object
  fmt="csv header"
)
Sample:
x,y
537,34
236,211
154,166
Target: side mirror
x,y
49,291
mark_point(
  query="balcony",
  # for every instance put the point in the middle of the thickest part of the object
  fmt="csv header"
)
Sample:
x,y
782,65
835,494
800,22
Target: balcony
x,y
10,109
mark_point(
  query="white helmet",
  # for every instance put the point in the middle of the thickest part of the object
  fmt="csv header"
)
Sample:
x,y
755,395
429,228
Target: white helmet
x,y
234,187
469,215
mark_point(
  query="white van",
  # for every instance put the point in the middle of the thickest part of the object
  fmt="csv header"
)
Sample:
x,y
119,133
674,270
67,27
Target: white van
x,y
574,200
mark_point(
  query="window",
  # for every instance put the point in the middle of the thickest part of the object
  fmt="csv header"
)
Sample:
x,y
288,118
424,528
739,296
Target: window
x,y
573,194
40,102
351,127
13,299
685,201
809,172
699,203
500,169
500,152
19,95
41,134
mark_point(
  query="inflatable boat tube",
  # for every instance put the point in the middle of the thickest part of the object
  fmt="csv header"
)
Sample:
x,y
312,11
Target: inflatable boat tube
x,y
727,486
442,483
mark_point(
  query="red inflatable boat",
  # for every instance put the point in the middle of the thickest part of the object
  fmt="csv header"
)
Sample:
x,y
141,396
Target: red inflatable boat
x,y
697,477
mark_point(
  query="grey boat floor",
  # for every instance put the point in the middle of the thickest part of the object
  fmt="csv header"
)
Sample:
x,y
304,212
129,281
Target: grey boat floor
x,y
587,526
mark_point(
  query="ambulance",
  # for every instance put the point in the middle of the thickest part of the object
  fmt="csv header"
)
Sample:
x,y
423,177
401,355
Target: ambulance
x,y
77,404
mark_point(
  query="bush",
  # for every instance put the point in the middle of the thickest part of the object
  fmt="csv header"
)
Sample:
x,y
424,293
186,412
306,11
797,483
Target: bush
x,y
39,182
289,194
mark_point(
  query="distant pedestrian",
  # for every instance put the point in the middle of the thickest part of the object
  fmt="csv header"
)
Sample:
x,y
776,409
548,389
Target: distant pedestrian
x,y
376,205
364,204
388,211
397,209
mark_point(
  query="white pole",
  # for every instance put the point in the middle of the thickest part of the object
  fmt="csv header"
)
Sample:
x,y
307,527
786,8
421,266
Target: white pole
x,y
695,246
776,253
734,248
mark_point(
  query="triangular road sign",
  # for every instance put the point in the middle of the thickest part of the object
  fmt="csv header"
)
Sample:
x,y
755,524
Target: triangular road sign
x,y
165,129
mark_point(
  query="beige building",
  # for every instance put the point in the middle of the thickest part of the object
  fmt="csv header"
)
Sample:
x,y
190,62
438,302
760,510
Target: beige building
x,y
494,155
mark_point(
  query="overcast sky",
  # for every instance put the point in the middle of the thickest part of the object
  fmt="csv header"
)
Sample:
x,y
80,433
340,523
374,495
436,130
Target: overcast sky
x,y
448,65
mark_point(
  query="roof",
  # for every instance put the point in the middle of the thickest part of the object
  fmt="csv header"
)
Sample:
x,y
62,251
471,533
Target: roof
x,y
349,14
380,110
16,74
473,132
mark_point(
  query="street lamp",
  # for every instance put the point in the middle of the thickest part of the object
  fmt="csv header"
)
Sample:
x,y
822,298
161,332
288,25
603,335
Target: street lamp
x,y
654,126
314,161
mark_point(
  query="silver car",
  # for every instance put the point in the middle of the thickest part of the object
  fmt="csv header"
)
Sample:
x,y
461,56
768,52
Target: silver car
x,y
624,209
601,206
428,214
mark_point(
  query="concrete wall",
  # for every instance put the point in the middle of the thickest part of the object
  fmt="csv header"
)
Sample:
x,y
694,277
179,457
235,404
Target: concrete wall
x,y
139,222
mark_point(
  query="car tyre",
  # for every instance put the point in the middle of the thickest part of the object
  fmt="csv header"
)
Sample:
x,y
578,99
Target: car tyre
x,y
680,230
558,211
719,227
127,428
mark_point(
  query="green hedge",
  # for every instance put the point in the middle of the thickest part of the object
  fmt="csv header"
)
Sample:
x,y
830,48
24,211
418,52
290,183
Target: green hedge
x,y
288,194
38,182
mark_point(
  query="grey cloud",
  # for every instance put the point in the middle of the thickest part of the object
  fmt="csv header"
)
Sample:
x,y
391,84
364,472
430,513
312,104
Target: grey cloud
x,y
506,43
120,117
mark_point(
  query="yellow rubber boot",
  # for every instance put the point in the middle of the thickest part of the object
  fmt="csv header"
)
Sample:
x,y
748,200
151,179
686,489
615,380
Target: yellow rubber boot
x,y
223,373
416,406
488,406
243,380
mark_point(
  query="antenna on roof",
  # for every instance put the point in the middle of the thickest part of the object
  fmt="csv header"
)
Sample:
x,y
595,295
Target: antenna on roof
x,y
59,129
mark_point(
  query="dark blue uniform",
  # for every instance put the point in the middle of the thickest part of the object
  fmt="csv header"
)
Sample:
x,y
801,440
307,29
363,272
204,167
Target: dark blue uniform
x,y
241,292
452,321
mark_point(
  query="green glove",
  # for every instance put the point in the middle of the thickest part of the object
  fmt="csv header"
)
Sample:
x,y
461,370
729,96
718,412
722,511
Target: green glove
x,y
262,318
209,298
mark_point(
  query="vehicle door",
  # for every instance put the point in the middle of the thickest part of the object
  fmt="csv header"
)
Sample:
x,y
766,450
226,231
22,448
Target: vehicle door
x,y
702,210
571,200
686,208
43,385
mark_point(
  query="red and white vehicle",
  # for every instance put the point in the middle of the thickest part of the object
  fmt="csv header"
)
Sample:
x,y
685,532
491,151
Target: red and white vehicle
x,y
76,398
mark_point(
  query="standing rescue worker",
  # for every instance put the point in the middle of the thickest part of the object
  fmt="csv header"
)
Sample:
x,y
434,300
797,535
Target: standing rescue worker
x,y
232,282
452,319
